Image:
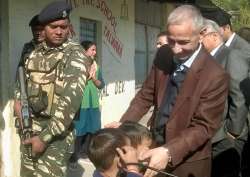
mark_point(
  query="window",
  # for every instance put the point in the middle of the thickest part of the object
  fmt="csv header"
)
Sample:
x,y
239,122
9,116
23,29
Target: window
x,y
88,30
145,48
147,26
91,30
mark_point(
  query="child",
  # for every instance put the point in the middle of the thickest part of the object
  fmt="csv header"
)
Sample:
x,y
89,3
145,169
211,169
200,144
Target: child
x,y
139,135
109,150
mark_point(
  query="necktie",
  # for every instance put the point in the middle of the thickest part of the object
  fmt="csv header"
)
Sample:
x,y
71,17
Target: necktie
x,y
173,87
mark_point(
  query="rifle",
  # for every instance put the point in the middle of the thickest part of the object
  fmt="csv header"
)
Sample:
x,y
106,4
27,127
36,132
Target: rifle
x,y
24,124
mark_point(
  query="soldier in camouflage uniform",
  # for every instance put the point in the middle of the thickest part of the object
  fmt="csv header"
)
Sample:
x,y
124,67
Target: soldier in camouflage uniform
x,y
56,73
38,37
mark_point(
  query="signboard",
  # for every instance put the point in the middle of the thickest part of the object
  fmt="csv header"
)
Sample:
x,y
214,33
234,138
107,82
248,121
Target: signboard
x,y
110,23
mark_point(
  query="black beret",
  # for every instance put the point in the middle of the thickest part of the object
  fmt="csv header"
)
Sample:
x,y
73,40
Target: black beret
x,y
221,17
56,10
164,59
34,21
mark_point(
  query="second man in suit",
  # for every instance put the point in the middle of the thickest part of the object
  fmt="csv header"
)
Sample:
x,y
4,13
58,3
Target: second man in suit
x,y
230,138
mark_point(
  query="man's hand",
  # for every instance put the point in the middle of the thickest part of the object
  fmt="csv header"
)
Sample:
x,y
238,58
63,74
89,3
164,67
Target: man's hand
x,y
113,125
38,146
159,158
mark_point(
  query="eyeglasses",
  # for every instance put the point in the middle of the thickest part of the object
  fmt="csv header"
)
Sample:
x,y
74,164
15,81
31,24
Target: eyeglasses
x,y
208,34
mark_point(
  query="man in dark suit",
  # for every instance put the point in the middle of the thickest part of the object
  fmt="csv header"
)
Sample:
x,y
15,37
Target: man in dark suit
x,y
183,126
227,149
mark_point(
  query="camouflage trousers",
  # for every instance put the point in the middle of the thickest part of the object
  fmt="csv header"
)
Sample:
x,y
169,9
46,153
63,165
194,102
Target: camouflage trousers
x,y
52,163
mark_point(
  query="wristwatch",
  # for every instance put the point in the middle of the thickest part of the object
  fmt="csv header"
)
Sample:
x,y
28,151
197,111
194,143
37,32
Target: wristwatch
x,y
169,156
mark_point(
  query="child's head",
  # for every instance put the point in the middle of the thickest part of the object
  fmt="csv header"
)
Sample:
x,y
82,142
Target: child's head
x,y
139,135
102,147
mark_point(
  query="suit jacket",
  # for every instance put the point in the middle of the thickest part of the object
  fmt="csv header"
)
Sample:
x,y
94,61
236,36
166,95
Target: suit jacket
x,y
235,113
197,112
239,43
221,55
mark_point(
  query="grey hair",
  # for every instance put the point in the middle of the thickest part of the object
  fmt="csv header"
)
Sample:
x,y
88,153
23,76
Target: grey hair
x,y
186,13
211,26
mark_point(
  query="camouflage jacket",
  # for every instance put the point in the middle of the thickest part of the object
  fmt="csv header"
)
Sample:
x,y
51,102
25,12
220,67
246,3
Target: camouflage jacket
x,y
56,78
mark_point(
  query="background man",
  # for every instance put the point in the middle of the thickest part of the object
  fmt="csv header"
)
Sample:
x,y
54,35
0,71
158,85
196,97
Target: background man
x,y
38,37
163,57
184,124
227,149
162,39
232,40
213,42
55,74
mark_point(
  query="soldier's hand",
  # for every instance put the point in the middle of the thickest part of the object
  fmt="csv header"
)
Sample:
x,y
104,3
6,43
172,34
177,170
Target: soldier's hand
x,y
38,146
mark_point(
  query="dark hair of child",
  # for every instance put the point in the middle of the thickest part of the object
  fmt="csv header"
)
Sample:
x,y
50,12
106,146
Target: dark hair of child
x,y
136,132
102,147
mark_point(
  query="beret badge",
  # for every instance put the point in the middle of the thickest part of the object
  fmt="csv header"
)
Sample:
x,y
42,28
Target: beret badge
x,y
64,14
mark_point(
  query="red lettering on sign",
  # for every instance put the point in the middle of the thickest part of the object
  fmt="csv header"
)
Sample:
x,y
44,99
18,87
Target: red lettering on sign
x,y
113,41
99,4
110,35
